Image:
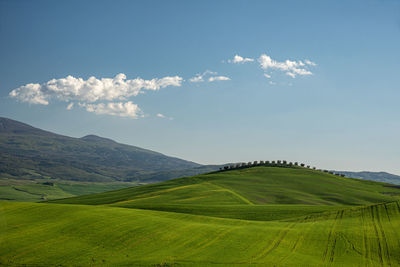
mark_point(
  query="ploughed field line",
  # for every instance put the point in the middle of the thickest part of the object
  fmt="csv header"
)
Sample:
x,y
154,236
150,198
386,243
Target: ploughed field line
x,y
49,233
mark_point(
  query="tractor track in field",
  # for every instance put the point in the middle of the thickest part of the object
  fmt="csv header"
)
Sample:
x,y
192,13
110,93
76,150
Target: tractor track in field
x,y
365,238
299,239
276,242
331,249
395,231
380,229
398,206
371,208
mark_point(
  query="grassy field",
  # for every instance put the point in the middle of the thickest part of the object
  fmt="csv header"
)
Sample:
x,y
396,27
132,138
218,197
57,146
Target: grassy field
x,y
261,216
66,235
39,190
251,186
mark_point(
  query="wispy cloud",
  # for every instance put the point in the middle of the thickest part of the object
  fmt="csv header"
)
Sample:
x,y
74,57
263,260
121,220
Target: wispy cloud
x,y
127,109
308,62
291,68
212,76
200,76
162,116
218,78
70,106
238,59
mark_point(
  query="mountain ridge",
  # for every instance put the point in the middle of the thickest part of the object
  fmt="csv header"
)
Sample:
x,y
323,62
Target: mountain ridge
x,y
29,152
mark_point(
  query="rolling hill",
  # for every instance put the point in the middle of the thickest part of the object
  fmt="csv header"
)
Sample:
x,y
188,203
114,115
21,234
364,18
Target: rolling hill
x,y
258,216
251,186
31,153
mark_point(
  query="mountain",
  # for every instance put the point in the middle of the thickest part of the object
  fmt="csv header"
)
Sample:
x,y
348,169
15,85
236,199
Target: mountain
x,y
374,176
28,153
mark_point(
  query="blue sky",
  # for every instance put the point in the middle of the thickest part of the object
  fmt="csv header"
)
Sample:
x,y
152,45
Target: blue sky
x,y
341,113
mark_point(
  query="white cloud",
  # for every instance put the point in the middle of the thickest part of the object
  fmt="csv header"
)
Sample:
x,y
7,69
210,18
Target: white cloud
x,y
267,75
272,83
238,59
292,68
218,78
90,90
31,93
70,106
162,116
201,77
308,62
291,74
127,109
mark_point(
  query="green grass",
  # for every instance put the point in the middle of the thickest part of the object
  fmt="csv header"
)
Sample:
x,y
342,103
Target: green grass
x,y
70,235
34,191
251,186
261,216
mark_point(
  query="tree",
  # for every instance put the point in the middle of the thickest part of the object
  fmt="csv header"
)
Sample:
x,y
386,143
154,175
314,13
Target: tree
x,y
255,162
302,164
226,167
296,164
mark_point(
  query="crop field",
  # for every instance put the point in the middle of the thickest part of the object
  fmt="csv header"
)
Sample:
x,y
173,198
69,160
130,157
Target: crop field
x,y
252,217
38,190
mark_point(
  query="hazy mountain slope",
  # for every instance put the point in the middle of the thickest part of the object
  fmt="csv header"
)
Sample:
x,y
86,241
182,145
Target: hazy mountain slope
x,y
374,176
28,152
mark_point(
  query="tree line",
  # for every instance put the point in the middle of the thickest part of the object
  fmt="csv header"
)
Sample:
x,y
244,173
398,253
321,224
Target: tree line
x,y
273,163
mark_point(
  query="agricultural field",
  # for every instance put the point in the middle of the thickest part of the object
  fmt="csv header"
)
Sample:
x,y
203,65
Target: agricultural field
x,y
43,189
260,216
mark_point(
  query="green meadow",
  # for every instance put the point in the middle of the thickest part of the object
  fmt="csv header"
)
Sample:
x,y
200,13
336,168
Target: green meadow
x,y
40,189
259,216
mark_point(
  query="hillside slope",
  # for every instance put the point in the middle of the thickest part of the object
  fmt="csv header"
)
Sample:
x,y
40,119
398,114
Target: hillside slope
x,y
71,235
257,216
29,153
252,193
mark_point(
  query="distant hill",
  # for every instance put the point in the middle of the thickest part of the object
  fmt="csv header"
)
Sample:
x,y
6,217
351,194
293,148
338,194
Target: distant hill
x,y
31,153
374,176
248,186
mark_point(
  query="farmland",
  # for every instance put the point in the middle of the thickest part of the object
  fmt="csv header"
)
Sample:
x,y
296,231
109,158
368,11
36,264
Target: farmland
x,y
256,216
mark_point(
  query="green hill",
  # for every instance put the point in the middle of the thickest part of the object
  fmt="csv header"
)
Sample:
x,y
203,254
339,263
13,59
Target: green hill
x,y
68,235
247,187
258,216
